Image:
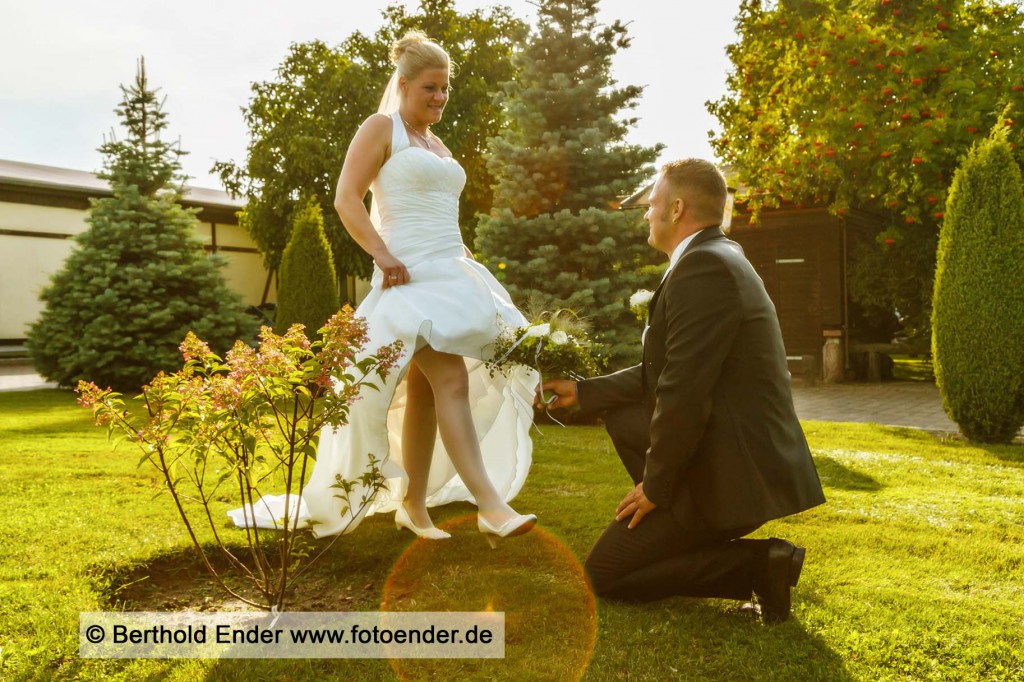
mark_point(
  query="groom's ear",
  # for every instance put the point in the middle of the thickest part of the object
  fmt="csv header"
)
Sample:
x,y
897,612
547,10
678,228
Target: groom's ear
x,y
679,207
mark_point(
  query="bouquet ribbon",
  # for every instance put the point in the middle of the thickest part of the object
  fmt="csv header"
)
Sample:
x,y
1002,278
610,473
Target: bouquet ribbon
x,y
522,337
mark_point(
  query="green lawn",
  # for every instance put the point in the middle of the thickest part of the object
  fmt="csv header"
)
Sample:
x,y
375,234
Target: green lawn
x,y
915,567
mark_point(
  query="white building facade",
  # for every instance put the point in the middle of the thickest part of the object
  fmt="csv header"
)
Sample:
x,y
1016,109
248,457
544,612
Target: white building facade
x,y
42,208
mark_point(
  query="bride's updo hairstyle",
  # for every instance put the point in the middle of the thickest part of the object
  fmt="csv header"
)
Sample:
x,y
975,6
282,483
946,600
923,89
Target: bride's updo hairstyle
x,y
415,53
411,56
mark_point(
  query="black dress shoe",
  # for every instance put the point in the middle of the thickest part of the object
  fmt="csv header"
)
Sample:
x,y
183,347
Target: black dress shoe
x,y
781,572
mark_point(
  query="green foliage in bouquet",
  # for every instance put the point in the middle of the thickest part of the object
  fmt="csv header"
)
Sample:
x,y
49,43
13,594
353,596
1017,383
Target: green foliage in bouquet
x,y
223,429
556,345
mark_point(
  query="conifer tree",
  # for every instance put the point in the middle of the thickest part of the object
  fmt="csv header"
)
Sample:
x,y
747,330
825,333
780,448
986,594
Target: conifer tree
x,y
307,292
555,236
138,280
978,306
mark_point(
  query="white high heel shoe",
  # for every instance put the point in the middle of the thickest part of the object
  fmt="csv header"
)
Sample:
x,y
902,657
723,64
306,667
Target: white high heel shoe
x,y
402,520
517,525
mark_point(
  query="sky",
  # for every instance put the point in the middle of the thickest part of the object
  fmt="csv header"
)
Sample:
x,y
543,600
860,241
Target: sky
x,y
63,61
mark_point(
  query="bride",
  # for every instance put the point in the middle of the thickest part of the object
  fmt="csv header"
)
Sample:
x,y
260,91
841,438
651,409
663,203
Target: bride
x,y
446,308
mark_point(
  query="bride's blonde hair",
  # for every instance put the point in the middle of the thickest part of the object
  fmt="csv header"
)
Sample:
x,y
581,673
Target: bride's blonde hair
x,y
414,52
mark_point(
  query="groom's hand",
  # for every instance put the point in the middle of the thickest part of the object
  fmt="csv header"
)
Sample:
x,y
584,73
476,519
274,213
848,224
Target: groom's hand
x,y
564,391
635,504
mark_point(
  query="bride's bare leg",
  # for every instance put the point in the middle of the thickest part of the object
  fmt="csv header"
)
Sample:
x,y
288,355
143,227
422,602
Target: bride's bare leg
x,y
419,431
450,383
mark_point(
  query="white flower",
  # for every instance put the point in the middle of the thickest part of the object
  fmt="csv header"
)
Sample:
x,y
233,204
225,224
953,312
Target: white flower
x,y
640,298
558,337
538,330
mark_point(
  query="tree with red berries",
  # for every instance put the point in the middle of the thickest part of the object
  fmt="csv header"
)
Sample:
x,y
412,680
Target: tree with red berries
x,y
870,105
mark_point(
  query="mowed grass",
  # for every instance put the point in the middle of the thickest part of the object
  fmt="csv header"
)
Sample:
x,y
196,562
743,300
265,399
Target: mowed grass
x,y
915,567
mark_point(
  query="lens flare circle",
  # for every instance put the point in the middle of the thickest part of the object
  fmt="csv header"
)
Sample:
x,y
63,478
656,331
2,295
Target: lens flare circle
x,y
539,584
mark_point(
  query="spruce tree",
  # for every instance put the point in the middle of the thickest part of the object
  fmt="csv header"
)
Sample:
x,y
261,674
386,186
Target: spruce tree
x,y
138,279
307,292
978,305
555,236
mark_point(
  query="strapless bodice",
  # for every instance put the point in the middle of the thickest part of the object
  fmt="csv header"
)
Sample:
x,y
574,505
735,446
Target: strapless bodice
x,y
417,198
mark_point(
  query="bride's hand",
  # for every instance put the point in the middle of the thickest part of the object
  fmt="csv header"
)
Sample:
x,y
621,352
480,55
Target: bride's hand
x,y
394,271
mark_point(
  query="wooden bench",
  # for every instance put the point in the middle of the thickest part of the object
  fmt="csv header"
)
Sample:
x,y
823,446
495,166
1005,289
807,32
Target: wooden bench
x,y
876,354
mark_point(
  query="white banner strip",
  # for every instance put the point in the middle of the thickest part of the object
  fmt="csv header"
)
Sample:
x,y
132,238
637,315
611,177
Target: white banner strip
x,y
190,634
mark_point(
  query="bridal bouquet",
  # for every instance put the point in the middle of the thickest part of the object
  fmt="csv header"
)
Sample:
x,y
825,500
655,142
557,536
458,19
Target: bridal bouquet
x,y
556,345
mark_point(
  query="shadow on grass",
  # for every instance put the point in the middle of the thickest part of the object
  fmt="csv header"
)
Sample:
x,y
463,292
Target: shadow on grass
x,y
179,580
1011,454
49,427
836,475
691,639
169,581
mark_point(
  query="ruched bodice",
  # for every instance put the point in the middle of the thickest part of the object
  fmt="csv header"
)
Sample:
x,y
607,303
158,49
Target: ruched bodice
x,y
416,194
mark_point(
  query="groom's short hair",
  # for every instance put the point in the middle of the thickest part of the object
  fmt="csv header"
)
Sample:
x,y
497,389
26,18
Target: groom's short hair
x,y
701,185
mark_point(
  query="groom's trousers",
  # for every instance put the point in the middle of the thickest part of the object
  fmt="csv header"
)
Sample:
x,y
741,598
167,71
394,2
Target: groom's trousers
x,y
665,556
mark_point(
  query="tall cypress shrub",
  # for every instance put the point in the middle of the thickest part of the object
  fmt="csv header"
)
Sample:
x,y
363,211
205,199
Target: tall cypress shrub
x,y
978,305
555,237
307,292
139,280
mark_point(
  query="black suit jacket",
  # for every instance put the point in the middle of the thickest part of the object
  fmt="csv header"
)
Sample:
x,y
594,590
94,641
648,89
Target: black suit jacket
x,y
725,440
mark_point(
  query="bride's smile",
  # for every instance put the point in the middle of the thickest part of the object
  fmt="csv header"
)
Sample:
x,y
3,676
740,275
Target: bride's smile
x,y
424,98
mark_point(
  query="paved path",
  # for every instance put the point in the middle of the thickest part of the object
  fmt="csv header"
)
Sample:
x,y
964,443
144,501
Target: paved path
x,y
916,404
19,377
895,403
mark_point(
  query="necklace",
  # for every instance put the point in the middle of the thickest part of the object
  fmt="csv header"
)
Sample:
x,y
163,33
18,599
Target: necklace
x,y
426,140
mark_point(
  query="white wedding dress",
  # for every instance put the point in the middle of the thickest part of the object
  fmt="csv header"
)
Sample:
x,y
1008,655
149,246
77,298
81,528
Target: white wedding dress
x,y
451,303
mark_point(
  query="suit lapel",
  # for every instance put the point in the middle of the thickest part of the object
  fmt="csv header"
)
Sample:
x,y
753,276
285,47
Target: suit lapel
x,y
704,235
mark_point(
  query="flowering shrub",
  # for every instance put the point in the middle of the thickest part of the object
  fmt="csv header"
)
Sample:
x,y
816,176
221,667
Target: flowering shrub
x,y
225,427
557,347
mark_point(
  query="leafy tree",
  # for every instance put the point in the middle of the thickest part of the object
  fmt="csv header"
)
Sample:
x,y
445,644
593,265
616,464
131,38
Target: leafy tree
x,y
870,105
299,127
307,292
978,314
301,123
139,279
554,235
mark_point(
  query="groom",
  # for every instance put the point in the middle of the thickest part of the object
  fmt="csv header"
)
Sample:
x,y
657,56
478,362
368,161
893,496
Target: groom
x,y
705,425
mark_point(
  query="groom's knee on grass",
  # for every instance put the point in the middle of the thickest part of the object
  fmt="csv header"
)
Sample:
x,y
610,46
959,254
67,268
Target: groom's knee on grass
x,y
602,580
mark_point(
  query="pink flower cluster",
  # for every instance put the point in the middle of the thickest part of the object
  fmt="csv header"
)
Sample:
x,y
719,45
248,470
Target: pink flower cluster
x,y
209,398
192,348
